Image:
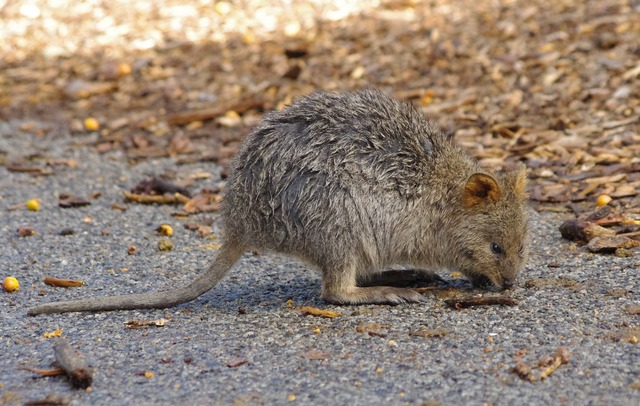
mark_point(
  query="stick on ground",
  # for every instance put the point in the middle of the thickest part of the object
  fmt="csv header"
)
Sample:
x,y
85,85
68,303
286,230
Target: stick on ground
x,y
73,364
464,302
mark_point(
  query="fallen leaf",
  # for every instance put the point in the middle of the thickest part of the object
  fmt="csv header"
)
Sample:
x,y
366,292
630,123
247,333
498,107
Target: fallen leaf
x,y
610,244
55,333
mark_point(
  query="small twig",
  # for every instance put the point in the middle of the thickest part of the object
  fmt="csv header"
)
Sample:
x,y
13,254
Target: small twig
x,y
29,169
75,367
50,400
62,283
463,303
427,289
42,372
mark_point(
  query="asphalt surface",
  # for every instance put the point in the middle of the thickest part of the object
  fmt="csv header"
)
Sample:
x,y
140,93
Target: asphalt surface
x,y
581,304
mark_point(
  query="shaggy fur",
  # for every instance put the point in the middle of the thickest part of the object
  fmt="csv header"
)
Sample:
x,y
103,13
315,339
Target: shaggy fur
x,y
353,183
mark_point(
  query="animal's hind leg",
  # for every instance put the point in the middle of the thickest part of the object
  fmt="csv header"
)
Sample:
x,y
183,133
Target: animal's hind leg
x,y
401,278
339,287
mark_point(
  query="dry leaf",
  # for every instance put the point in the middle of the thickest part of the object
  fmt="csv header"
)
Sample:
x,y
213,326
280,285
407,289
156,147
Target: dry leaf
x,y
53,334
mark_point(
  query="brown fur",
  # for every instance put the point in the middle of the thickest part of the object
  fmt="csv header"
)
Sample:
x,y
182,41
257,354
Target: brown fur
x,y
353,183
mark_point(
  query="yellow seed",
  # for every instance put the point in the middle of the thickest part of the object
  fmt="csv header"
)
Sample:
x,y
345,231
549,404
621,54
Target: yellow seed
x,y
148,374
603,200
33,205
10,284
124,69
166,230
91,124
316,330
291,397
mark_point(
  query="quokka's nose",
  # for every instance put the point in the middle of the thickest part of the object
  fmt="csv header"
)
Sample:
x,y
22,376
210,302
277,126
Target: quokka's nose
x,y
507,283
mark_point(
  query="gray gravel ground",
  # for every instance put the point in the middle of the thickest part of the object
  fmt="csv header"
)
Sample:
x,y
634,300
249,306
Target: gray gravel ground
x,y
188,357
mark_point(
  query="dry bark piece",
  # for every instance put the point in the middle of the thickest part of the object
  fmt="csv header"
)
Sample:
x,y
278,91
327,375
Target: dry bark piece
x,y
153,199
157,186
610,244
73,365
67,201
583,230
26,231
63,283
312,311
465,302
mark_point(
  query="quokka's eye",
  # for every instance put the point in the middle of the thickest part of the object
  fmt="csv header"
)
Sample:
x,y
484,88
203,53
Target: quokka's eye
x,y
496,249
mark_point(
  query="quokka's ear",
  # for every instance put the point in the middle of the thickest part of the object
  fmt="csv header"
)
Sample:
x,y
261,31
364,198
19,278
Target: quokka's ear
x,y
481,189
520,184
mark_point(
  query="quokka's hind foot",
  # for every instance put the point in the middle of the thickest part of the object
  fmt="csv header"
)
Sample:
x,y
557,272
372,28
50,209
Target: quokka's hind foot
x,y
373,295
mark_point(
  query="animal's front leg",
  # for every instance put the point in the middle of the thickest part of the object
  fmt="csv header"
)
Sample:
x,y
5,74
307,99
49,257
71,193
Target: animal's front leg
x,y
339,287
